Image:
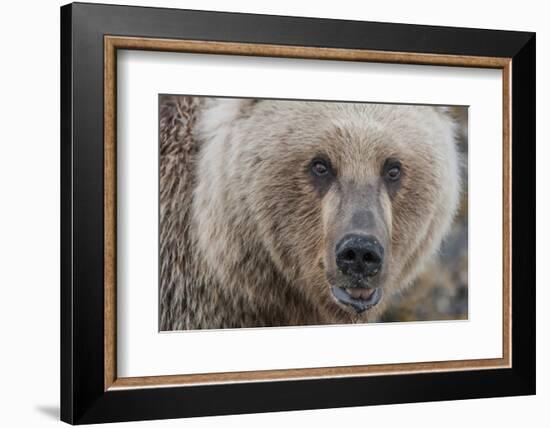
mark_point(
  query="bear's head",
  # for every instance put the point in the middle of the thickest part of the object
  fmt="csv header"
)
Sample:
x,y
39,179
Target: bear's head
x,y
343,201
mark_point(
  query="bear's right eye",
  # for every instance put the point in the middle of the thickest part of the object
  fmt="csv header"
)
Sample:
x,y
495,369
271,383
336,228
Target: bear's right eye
x,y
320,167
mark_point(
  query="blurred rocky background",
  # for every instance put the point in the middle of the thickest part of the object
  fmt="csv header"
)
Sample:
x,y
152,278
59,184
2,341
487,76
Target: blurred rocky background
x,y
441,291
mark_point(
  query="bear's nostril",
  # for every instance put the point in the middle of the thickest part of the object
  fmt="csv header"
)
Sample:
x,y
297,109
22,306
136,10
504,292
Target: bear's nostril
x,y
349,255
370,257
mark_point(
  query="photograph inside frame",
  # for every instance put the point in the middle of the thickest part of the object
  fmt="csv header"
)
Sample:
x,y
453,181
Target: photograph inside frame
x,y
278,213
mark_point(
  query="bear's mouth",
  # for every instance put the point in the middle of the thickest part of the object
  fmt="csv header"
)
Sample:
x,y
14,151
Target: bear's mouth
x,y
359,299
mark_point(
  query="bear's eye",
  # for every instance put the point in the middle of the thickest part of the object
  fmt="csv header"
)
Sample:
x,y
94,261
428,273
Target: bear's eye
x,y
392,170
320,167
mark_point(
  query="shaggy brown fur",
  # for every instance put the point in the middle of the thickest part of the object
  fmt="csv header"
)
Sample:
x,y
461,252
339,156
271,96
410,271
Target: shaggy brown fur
x,y
190,298
245,238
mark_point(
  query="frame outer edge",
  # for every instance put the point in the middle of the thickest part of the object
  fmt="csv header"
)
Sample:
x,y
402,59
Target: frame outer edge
x,y
524,219
66,146
236,27
82,401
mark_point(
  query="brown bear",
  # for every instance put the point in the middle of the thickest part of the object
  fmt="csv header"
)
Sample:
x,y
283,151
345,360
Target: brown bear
x,y
286,213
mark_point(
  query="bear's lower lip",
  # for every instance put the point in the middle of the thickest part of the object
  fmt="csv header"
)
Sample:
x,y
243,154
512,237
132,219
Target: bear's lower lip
x,y
360,299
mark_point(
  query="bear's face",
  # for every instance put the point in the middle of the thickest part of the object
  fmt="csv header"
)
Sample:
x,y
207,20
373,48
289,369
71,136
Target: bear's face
x,y
347,201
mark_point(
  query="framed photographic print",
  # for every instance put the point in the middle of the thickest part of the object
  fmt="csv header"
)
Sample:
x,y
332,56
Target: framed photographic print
x,y
265,213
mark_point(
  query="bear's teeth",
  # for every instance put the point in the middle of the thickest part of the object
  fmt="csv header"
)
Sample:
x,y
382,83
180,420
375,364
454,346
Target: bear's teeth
x,y
360,293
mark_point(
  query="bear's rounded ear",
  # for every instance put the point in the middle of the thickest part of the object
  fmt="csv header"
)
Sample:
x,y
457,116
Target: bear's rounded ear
x,y
218,113
449,113
445,110
458,116
453,112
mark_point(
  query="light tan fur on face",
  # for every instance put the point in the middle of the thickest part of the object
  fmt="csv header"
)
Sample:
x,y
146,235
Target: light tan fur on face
x,y
260,234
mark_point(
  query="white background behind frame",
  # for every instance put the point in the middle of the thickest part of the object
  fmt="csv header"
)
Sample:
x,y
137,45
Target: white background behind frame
x,y
38,287
142,351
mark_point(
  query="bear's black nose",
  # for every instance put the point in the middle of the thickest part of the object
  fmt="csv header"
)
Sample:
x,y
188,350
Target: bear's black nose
x,y
360,256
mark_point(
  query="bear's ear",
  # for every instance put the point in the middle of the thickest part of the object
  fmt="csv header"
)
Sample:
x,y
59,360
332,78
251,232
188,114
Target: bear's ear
x,y
220,113
458,116
445,110
452,112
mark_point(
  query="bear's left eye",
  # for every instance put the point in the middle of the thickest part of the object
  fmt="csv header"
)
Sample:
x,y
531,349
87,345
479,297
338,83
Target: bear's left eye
x,y
320,167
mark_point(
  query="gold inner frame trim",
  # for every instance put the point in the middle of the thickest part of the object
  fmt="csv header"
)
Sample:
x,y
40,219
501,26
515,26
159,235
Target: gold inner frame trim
x,y
113,43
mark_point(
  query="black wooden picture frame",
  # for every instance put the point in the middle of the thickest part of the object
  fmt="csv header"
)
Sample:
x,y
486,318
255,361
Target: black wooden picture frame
x,y
84,395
